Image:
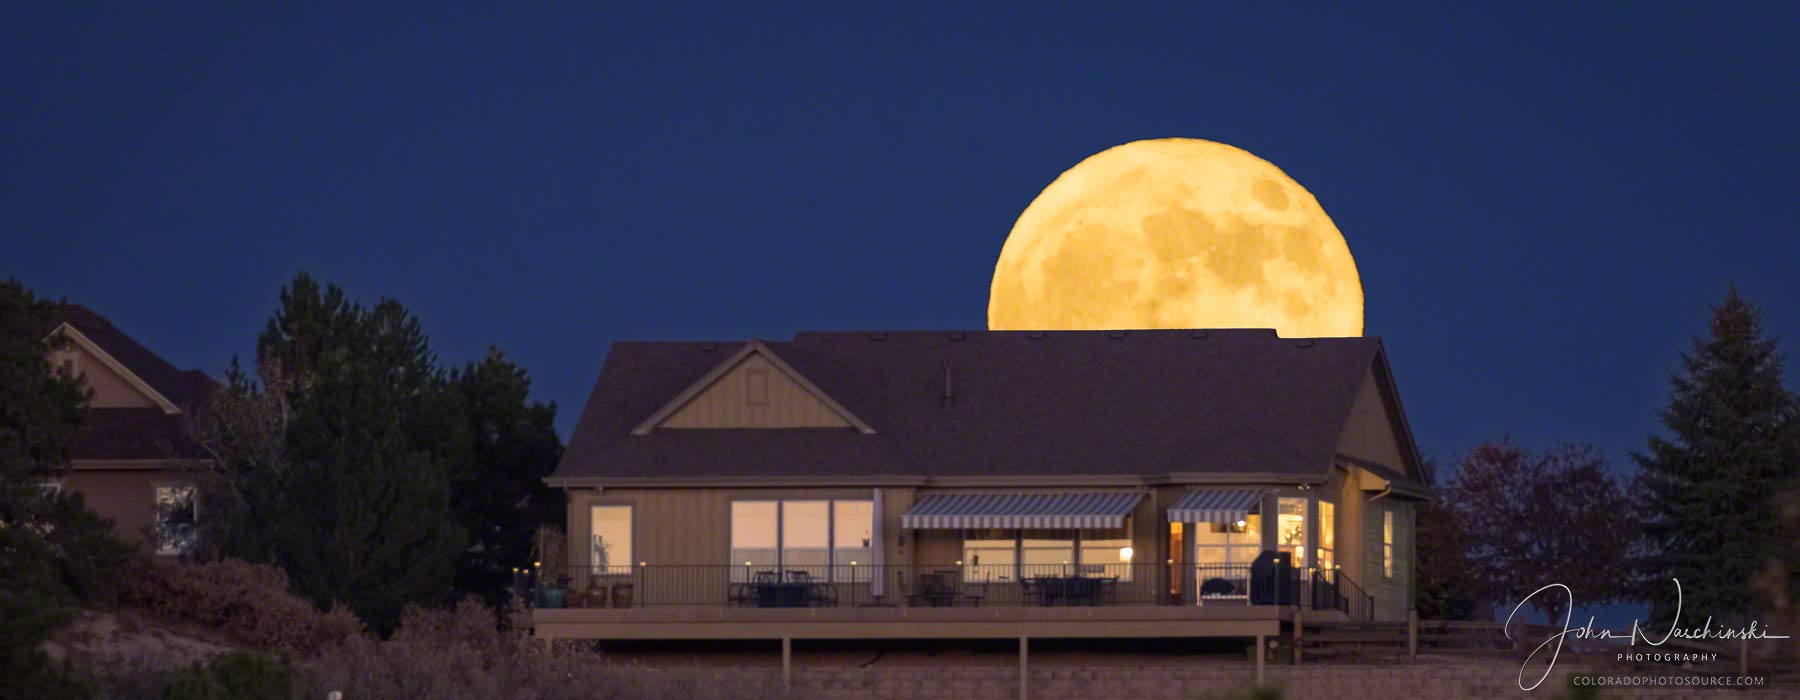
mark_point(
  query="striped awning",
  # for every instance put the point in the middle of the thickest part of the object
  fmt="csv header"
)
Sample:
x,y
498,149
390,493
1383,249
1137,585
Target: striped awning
x,y
1215,505
968,511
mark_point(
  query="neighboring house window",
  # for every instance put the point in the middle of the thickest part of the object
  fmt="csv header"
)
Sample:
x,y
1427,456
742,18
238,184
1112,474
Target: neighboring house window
x,y
1387,543
825,539
176,519
1327,534
67,363
1290,528
609,538
51,487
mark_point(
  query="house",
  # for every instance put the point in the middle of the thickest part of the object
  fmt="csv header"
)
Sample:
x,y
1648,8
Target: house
x,y
130,458
1001,484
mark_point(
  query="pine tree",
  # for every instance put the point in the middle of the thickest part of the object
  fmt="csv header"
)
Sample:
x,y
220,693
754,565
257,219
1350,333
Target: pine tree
x,y
358,507
1711,481
500,497
55,554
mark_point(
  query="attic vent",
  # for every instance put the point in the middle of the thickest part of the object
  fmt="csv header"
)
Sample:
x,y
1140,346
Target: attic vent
x,y
1037,335
1115,335
708,347
958,336
878,336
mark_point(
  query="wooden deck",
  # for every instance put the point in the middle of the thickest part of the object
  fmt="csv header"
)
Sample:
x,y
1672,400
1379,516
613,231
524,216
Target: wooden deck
x,y
999,622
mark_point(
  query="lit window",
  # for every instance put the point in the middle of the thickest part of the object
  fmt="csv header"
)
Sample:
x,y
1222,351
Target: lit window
x,y
821,538
1387,543
806,536
610,539
175,527
1327,534
754,535
852,538
1290,528
990,555
1047,552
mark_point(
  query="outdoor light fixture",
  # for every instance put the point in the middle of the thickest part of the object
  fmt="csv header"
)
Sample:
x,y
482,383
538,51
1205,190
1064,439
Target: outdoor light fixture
x,y
1125,554
1241,523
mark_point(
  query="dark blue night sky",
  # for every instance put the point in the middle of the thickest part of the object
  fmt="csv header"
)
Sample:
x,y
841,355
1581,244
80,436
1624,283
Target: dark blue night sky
x,y
1542,201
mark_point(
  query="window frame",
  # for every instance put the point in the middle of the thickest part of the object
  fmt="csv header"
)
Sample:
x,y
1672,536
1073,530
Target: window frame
x,y
1074,564
157,515
631,538
1387,543
831,567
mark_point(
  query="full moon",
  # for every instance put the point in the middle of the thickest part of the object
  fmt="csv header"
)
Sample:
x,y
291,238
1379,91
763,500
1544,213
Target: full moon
x,y
1176,233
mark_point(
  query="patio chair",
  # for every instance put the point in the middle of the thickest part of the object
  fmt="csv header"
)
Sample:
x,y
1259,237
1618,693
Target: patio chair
x,y
974,592
821,594
1031,589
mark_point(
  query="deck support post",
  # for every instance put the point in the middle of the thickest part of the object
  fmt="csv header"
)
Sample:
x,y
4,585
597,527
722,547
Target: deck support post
x,y
1412,634
1024,668
1262,648
787,664
1299,631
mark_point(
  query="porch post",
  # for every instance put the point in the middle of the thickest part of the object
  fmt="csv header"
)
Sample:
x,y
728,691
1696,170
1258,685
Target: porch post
x,y
1024,668
1190,544
1261,648
787,664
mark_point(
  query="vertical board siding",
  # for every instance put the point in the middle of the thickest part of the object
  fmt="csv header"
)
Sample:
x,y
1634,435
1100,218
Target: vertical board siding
x,y
125,496
727,403
110,389
1370,433
1393,596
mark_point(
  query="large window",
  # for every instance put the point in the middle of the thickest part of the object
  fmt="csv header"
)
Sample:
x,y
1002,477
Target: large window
x,y
825,539
1007,555
176,525
609,539
852,539
1387,543
806,536
755,534
1290,528
1228,544
1327,534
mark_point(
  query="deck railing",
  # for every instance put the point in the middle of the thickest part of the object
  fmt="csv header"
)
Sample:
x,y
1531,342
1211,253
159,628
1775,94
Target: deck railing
x,y
932,585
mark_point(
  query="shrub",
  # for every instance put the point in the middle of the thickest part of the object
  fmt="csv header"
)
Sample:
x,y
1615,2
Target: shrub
x,y
249,602
233,676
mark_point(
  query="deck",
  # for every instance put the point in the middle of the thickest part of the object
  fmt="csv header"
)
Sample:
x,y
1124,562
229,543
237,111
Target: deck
x,y
997,622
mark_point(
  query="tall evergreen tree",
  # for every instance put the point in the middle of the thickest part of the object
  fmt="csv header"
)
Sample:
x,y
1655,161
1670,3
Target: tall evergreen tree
x,y
357,508
55,554
500,497
1712,479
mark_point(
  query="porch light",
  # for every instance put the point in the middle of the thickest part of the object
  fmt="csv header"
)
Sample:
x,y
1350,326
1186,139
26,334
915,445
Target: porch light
x,y
643,563
959,562
853,563
747,564
1241,522
1125,554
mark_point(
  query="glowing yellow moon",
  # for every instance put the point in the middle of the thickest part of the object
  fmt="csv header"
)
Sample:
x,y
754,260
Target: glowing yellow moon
x,y
1176,233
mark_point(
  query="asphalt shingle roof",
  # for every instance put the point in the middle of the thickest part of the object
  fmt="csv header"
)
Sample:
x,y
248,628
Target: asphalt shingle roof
x,y
1076,403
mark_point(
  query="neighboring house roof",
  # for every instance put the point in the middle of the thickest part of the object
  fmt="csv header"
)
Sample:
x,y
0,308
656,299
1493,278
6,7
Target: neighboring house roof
x,y
135,433
1022,404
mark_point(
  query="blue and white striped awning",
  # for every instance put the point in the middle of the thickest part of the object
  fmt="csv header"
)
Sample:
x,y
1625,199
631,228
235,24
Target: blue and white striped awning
x,y
1215,505
969,511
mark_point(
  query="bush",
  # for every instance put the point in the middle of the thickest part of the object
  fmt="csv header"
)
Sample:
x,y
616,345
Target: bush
x,y
234,676
468,653
249,602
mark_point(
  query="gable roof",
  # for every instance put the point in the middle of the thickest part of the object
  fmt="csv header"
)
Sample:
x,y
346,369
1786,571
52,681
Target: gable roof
x,y
174,386
754,347
133,433
1212,403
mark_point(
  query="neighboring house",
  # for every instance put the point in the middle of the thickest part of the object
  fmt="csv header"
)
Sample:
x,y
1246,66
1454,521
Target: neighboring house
x,y
129,458
987,484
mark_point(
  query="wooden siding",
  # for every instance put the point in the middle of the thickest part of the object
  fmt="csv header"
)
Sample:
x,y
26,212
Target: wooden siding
x,y
682,526
125,496
1393,595
729,403
1370,433
110,389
